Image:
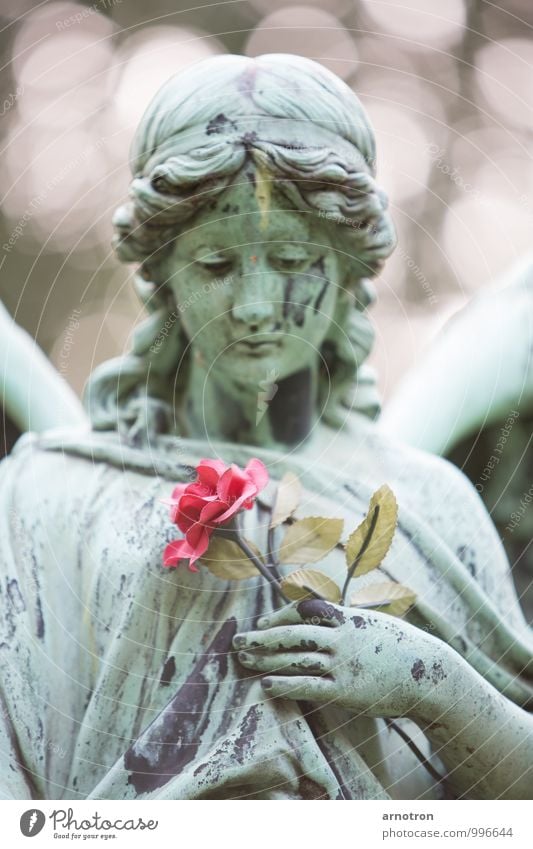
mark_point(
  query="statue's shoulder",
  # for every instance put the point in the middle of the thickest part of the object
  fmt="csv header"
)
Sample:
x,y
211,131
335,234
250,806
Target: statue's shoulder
x,y
372,452
446,500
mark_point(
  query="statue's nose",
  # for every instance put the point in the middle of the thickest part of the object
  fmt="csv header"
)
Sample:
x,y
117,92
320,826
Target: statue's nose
x,y
253,301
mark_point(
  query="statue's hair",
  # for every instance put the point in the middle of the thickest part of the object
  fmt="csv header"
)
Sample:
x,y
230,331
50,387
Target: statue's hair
x,y
308,131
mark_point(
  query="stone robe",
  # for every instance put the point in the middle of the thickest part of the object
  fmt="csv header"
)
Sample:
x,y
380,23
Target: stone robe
x,y
119,679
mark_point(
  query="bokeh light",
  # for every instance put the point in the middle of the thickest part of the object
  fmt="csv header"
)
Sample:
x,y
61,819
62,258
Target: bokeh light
x,y
504,72
309,32
418,22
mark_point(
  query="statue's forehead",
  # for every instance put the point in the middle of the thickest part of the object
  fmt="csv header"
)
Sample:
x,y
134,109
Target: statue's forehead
x,y
238,215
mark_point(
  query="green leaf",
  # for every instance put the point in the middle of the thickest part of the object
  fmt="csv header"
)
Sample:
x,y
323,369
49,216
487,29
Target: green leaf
x,y
310,539
299,585
225,559
381,522
287,499
387,597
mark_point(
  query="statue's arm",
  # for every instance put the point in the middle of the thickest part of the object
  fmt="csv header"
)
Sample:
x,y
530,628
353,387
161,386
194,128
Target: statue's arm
x,y
484,740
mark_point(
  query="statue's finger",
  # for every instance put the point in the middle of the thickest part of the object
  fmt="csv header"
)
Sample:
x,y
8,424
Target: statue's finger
x,y
311,611
300,687
287,663
306,638
285,616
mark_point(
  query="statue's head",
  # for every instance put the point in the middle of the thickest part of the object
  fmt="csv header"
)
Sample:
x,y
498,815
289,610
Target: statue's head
x,y
255,222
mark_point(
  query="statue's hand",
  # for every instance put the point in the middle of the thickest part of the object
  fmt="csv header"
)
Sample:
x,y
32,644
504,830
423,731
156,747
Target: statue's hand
x,y
364,661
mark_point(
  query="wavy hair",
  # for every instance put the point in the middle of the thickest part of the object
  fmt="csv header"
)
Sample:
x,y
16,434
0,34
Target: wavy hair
x,y
308,131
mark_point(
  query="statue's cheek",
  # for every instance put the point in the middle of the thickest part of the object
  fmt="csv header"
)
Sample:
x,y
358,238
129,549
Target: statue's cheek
x,y
308,306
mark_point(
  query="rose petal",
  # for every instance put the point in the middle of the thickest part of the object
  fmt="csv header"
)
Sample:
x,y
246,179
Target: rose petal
x,y
256,470
178,549
198,538
209,472
231,484
237,505
211,511
188,511
202,491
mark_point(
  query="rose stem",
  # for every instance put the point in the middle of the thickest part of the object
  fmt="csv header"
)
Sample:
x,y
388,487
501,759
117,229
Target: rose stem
x,y
232,532
265,571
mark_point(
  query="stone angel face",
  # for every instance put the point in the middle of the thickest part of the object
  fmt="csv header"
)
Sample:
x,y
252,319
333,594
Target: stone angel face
x,y
256,290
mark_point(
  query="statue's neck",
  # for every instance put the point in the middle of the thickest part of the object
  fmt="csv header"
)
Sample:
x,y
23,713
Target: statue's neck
x,y
269,412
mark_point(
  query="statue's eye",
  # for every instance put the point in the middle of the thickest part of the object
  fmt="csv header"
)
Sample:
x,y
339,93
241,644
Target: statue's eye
x,y
215,264
291,263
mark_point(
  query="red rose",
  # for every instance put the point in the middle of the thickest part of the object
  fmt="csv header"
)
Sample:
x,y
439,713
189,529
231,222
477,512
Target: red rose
x,y
218,494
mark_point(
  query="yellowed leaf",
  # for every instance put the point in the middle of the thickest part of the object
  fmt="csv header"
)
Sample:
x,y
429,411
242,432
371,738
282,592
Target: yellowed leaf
x,y
310,539
287,499
382,515
387,597
297,585
225,559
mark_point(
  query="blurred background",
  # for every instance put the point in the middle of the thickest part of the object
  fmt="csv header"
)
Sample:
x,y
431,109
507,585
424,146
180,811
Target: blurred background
x,y
448,88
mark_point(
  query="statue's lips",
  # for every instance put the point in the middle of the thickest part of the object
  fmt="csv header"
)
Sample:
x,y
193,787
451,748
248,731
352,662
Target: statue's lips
x,y
263,345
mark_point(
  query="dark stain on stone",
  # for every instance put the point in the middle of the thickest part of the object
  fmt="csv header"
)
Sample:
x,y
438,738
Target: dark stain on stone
x,y
169,670
466,555
172,740
39,618
247,730
359,622
356,668
378,648
321,295
308,645
418,670
249,138
15,597
470,749
219,124
287,298
309,789
316,607
437,672
298,314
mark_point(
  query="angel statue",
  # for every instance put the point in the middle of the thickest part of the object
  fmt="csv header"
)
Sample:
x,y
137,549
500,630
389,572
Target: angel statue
x,y
255,224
